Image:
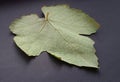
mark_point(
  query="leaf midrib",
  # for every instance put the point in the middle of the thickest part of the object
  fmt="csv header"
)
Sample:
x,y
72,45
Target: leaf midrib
x,y
84,59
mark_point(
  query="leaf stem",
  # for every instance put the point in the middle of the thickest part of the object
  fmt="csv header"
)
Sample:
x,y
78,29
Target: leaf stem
x,y
46,16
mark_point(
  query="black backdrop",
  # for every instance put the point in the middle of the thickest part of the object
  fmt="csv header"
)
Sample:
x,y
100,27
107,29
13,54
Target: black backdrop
x,y
16,66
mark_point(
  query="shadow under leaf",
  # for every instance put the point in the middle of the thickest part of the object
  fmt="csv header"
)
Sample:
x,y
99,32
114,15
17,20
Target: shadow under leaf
x,y
62,63
23,55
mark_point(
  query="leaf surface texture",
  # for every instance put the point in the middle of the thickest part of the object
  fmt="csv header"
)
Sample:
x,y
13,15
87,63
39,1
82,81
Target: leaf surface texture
x,y
58,34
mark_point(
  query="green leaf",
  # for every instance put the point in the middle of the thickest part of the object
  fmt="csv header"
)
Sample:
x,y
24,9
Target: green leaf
x,y
58,34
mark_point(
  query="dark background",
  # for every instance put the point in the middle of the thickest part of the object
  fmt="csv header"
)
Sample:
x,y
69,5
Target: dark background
x,y
15,66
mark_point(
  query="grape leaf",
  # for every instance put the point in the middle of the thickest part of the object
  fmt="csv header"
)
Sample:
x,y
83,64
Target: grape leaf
x,y
58,34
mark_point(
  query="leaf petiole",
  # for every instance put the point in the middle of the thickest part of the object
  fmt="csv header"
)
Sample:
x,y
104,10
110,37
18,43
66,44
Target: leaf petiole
x,y
46,16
